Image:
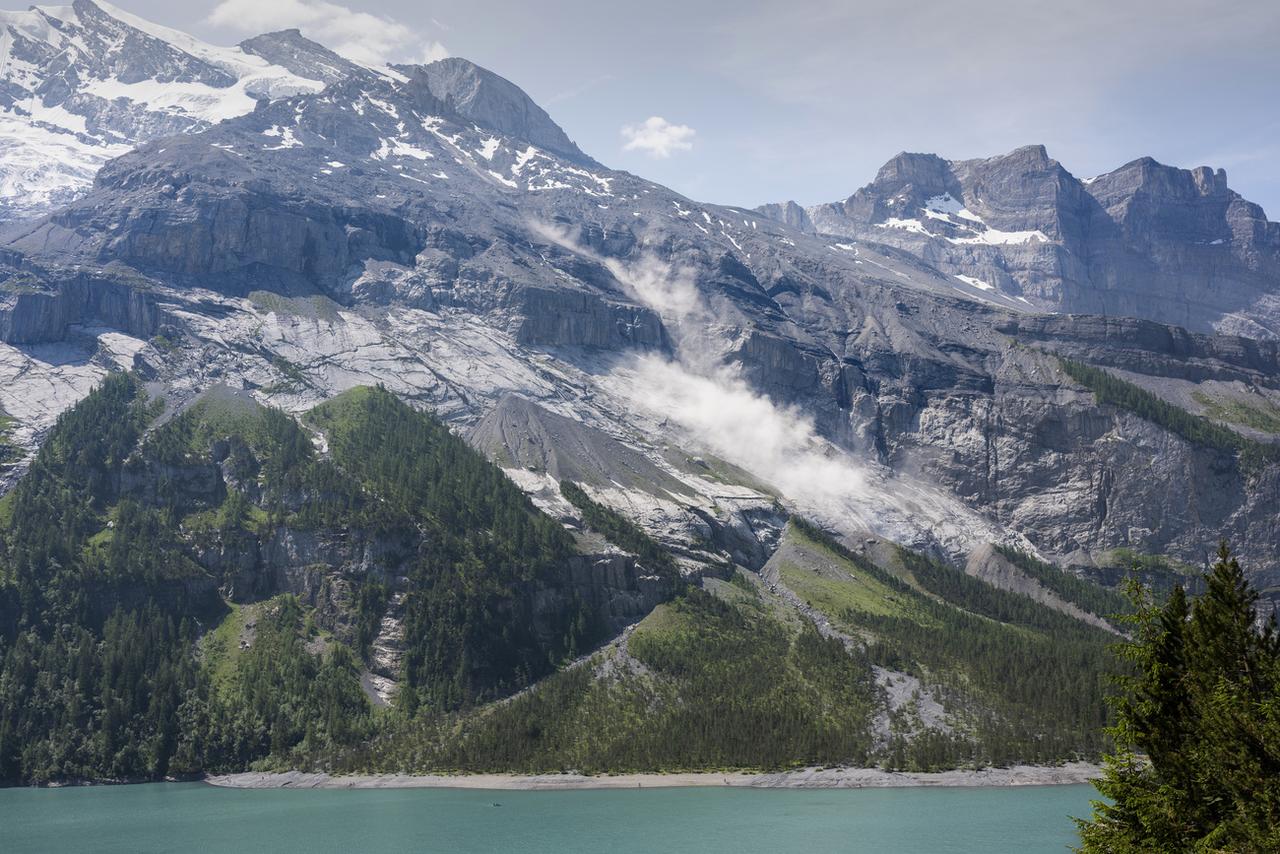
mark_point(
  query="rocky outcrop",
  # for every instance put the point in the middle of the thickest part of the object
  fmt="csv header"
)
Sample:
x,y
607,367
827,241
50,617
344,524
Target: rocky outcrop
x,y
571,318
790,213
303,57
1151,348
31,316
617,588
240,241
317,566
1073,476
325,569
780,368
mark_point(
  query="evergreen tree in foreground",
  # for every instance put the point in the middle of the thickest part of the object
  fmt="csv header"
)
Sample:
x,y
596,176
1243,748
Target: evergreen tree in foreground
x,y
1197,766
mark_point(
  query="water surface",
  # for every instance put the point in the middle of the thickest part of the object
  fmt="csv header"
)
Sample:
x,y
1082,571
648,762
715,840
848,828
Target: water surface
x,y
195,817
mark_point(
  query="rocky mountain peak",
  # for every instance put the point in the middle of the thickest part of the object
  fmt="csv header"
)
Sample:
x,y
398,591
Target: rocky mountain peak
x,y
494,102
1150,177
922,170
1028,156
1145,240
790,213
1024,190
305,58
1154,202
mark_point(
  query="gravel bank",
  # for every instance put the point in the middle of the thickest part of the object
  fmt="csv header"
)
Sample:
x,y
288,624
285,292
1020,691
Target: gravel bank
x,y
807,778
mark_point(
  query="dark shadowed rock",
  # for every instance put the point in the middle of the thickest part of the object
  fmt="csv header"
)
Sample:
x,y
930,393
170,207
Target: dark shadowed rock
x,y
520,433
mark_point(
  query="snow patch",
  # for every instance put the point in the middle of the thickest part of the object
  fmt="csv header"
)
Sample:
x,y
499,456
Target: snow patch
x,y
284,134
399,148
912,225
503,179
996,237
976,283
945,206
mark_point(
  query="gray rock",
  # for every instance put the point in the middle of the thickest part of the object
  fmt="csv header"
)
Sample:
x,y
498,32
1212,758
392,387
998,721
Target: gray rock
x,y
305,58
1150,241
494,102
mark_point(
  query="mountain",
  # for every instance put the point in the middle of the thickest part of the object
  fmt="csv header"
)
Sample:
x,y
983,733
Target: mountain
x,y
364,555
83,83
344,237
881,477
90,81
1172,245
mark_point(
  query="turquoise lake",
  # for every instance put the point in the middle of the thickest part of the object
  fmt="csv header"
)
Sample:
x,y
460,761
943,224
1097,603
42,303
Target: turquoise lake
x,y
195,817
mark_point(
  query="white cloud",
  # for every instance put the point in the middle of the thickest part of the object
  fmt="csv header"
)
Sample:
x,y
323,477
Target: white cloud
x,y
360,36
433,52
714,409
706,399
657,137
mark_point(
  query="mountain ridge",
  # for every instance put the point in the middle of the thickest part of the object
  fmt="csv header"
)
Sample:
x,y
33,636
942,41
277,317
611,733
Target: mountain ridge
x,y
416,212
1146,240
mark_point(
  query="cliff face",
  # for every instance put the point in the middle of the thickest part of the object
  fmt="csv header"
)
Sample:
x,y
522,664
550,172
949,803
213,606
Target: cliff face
x,y
1176,246
34,316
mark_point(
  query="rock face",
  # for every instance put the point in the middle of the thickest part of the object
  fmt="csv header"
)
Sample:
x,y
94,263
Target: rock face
x,y
565,317
34,316
323,569
886,364
1172,245
790,213
494,102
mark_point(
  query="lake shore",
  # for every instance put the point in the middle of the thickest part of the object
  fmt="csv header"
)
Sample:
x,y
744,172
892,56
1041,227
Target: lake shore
x,y
805,778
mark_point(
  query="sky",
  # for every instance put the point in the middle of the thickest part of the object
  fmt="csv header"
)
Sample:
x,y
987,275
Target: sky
x,y
748,102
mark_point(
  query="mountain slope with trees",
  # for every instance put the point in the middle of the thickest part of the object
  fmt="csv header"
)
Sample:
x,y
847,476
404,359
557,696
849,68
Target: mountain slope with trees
x,y
206,590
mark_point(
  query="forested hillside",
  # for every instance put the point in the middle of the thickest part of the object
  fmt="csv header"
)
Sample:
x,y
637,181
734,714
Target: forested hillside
x,y
733,676
121,544
222,587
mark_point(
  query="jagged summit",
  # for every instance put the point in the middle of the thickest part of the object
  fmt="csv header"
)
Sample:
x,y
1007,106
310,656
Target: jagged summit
x,y
1146,240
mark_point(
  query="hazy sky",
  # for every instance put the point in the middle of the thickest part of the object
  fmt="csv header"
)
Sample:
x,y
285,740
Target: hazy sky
x,y
746,102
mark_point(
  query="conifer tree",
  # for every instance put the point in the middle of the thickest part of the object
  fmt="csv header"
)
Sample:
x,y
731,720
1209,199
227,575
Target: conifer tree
x,y
1197,766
